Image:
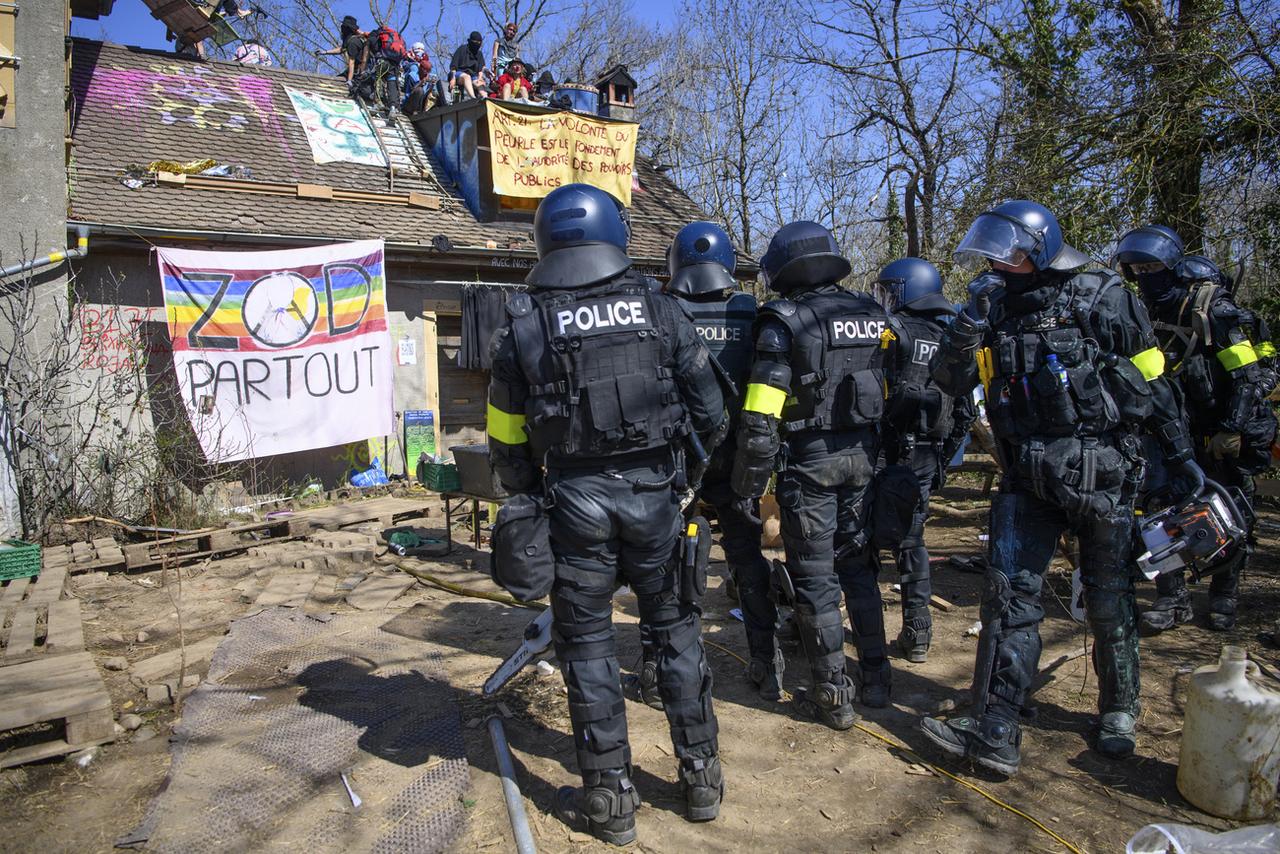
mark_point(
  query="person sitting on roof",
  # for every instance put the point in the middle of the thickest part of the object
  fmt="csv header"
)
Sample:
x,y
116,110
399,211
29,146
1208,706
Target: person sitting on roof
x,y
544,87
513,85
467,67
183,46
422,88
351,45
252,52
505,49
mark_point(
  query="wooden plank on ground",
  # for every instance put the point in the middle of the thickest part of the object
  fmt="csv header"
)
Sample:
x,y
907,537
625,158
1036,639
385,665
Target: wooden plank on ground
x,y
50,689
48,586
378,591
287,588
65,631
22,635
157,667
14,592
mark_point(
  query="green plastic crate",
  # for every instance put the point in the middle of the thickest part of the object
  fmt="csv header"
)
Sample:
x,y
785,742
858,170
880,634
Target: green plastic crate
x,y
442,477
19,559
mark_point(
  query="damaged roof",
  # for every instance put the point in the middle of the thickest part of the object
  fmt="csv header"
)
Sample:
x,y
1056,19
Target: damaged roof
x,y
133,106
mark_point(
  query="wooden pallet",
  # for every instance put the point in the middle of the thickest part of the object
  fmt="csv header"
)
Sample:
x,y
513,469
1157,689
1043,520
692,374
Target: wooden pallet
x,y
40,631
188,547
44,589
65,690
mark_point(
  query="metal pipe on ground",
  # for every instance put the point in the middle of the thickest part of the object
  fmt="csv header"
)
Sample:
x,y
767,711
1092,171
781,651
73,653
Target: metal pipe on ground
x,y
510,789
81,250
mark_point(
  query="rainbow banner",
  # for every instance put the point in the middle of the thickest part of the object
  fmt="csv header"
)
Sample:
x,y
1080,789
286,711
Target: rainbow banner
x,y
280,351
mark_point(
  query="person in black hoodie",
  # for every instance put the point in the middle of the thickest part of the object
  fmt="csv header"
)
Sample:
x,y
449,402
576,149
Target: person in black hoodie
x,y
467,67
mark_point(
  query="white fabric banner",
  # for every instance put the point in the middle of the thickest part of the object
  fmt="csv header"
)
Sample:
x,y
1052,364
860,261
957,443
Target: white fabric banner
x,y
280,351
337,129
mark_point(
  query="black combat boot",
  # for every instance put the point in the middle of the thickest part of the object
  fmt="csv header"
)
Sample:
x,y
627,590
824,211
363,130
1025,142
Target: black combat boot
x,y
702,784
876,685
605,806
830,703
1117,735
915,636
1172,606
1222,613
766,675
991,741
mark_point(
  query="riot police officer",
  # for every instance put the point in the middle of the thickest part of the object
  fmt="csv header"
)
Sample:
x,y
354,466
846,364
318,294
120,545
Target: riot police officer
x,y
815,396
701,261
1222,366
598,380
922,427
1071,370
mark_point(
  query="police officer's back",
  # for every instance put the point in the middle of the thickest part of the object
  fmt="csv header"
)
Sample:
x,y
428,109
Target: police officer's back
x,y
816,393
601,379
920,427
701,261
1222,363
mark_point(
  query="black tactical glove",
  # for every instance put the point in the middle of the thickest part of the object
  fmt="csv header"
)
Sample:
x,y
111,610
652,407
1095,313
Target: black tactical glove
x,y
980,295
747,507
1190,479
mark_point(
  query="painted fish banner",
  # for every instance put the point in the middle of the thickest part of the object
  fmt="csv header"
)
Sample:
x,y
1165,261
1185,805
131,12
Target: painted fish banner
x,y
337,129
280,351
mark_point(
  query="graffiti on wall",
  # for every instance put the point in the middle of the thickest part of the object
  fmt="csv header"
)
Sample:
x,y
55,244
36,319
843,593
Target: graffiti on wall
x,y
111,338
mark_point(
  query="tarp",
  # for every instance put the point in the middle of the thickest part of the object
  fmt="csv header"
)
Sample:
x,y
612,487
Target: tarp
x,y
533,153
280,351
337,129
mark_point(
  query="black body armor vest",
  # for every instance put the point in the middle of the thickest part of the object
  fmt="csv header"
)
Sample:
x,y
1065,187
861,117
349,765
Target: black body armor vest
x,y
598,366
725,327
916,404
837,360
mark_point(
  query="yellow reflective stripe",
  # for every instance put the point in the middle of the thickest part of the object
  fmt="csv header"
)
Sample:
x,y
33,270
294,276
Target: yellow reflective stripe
x,y
1150,362
986,366
1264,349
506,427
1237,356
764,398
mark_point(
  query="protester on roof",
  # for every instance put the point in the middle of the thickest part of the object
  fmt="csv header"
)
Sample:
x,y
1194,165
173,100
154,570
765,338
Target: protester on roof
x,y
185,47
545,86
252,52
422,88
467,68
351,44
385,53
506,48
513,85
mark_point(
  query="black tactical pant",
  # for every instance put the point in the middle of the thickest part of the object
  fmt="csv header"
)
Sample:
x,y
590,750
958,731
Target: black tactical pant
x,y
608,528
1024,537
822,496
911,555
740,539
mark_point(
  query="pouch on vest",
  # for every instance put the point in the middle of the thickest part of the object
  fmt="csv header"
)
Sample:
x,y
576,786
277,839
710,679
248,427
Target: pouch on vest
x,y
859,399
522,563
895,499
1129,389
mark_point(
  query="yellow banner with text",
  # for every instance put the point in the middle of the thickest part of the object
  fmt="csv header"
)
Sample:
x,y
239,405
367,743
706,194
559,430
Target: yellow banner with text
x,y
533,153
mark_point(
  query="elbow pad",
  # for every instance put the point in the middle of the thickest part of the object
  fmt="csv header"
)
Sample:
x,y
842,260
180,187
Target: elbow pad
x,y
1174,441
758,444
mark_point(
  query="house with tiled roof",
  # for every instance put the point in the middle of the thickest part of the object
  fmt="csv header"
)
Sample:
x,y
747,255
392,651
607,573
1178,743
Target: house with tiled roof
x,y
146,127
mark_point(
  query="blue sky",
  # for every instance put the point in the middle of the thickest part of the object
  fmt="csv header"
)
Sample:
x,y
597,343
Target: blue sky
x,y
130,21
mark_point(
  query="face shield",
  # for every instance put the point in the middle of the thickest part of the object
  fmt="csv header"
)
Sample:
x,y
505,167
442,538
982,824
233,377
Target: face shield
x,y
888,292
993,237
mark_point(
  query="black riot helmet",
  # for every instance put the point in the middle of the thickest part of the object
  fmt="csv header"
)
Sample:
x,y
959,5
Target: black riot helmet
x,y
1019,230
802,254
701,261
1197,268
911,283
581,234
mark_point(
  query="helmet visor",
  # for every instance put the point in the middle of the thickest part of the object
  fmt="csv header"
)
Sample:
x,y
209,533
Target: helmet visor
x,y
995,238
1148,246
888,292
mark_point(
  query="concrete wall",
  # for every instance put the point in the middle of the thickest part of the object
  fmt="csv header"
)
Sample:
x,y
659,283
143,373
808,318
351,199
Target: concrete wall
x,y
33,169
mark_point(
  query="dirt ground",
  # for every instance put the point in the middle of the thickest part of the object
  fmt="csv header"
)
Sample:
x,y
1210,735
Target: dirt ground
x,y
792,785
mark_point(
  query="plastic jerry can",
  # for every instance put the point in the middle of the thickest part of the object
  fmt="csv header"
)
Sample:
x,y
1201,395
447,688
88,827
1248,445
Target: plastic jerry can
x,y
1230,756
